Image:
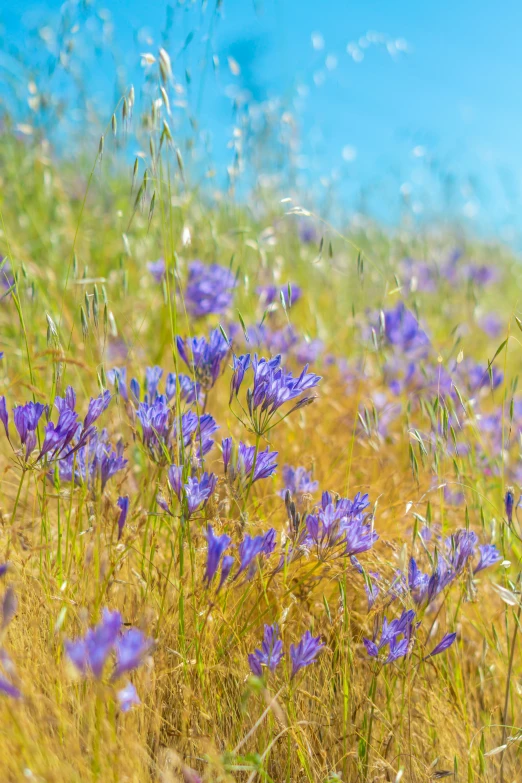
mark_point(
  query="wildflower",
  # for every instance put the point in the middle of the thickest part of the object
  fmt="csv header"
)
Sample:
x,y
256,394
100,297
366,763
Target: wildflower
x,y
157,269
189,390
509,503
402,331
118,377
152,379
26,418
95,461
340,523
131,648
226,567
96,407
249,467
489,555
446,642
268,294
216,546
251,548
195,492
208,289
204,357
4,416
123,504
395,635
9,689
297,481
305,653
273,387
240,365
270,654
128,697
90,654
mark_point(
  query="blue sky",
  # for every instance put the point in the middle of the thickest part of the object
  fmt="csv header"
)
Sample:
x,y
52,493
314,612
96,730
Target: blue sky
x,y
430,111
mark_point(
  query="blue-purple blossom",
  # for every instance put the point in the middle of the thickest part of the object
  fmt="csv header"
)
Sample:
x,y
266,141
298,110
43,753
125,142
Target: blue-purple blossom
x,y
118,377
509,504
402,331
240,366
153,376
9,689
273,386
4,416
245,461
226,567
216,546
270,654
268,294
204,357
93,463
489,555
446,642
189,390
128,698
123,505
131,648
298,481
251,548
340,523
90,654
26,418
160,431
209,289
96,407
305,653
395,635
195,492
157,269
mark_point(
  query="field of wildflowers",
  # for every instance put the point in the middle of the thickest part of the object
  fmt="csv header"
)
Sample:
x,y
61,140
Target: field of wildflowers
x,y
259,484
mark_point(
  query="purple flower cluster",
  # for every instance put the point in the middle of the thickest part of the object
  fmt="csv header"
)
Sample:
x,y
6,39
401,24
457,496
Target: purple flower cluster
x,y
340,523
90,654
162,434
298,481
403,332
395,635
245,467
273,386
209,289
455,555
94,463
268,294
195,492
270,654
204,357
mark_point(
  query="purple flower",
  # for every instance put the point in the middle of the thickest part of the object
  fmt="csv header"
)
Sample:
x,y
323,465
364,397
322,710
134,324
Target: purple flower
x,y
131,648
216,546
204,357
4,568
26,418
152,379
96,407
128,698
443,645
396,635
90,654
157,269
241,365
123,504
402,331
209,289
268,294
489,555
251,548
9,689
189,390
95,461
509,504
241,468
273,387
298,481
305,653
118,377
4,416
195,492
226,566
271,651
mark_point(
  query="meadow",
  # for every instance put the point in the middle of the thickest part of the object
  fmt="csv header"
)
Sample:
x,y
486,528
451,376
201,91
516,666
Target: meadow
x,y
259,482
